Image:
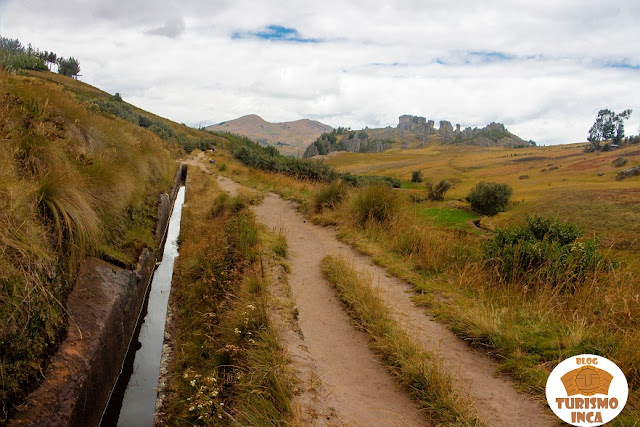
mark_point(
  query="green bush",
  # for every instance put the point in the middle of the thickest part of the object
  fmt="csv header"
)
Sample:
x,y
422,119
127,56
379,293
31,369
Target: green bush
x,y
489,198
364,180
416,176
23,62
374,202
269,159
437,192
543,251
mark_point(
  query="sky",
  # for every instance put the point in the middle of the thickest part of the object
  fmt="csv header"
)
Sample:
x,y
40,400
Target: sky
x,y
543,68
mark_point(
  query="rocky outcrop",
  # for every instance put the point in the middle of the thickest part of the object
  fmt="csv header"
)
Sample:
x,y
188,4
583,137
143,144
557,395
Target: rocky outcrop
x,y
446,130
415,125
628,173
491,135
354,144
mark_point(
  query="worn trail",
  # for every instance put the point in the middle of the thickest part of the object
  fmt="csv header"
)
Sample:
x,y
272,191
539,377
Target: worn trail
x,y
356,389
495,397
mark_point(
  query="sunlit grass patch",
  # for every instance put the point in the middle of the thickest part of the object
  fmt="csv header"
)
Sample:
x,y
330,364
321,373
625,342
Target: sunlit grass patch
x,y
455,218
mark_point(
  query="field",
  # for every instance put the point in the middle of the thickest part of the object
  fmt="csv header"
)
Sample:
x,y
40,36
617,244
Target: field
x,y
528,323
562,181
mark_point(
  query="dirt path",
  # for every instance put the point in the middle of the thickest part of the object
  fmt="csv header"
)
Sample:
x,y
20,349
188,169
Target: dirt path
x,y
353,386
496,398
198,162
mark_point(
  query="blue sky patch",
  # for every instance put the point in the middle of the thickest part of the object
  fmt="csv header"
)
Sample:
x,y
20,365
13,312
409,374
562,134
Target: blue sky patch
x,y
275,33
624,64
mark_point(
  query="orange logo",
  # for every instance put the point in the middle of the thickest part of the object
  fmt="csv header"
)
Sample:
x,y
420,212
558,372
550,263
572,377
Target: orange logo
x,y
587,381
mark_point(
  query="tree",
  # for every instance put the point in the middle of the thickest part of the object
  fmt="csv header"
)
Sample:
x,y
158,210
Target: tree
x,y
437,192
69,67
608,126
489,198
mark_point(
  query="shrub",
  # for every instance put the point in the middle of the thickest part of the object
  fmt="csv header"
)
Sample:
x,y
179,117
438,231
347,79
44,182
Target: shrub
x,y
543,251
437,192
329,196
416,176
489,198
374,203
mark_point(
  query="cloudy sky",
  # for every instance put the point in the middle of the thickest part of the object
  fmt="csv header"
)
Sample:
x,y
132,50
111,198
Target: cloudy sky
x,y
543,68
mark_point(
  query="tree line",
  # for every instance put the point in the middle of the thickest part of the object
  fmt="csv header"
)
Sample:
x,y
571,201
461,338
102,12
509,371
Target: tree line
x,y
14,56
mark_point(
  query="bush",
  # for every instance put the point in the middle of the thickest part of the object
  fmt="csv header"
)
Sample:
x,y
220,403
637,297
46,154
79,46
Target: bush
x,y
437,192
375,202
416,176
543,251
329,196
489,198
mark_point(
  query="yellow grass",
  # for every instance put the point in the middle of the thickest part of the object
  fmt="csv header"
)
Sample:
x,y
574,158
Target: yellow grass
x,y
600,204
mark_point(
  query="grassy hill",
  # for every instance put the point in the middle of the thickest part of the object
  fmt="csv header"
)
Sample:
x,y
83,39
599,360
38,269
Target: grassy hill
x,y
289,137
80,174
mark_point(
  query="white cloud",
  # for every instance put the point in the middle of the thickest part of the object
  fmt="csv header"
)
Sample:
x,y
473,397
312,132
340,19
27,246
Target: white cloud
x,y
543,68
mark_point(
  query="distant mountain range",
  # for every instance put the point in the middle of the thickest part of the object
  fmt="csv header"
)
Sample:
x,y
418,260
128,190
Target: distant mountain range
x,y
289,137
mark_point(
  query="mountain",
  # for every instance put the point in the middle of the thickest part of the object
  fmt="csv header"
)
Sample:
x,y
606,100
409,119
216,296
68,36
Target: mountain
x,y
289,137
412,132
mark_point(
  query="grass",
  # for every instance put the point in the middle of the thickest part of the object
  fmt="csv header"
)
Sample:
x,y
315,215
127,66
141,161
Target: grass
x,y
73,183
415,368
454,218
606,207
228,367
529,327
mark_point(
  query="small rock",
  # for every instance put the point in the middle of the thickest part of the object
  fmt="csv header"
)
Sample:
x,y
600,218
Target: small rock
x,y
524,176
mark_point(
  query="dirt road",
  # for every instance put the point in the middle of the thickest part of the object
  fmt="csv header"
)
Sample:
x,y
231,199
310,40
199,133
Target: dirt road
x,y
358,386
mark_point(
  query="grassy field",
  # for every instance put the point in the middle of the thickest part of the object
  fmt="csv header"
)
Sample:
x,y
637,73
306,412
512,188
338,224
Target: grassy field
x,y
529,324
581,189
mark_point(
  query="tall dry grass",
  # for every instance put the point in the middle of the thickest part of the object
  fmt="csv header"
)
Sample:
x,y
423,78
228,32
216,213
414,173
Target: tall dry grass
x,y
228,367
419,370
72,183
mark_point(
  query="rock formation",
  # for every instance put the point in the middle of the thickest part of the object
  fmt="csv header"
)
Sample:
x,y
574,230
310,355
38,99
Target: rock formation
x,y
490,135
330,142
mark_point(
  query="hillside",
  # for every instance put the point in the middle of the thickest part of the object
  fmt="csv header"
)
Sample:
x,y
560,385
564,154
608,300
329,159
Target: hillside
x,y
288,137
413,132
81,172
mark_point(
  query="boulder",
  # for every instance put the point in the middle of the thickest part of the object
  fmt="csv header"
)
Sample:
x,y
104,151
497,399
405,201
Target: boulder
x,y
628,173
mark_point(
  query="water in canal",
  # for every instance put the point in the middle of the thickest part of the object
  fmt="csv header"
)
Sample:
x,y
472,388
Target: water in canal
x,y
133,403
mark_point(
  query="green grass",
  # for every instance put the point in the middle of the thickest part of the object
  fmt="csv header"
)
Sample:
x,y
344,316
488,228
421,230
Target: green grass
x,y
408,185
454,218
